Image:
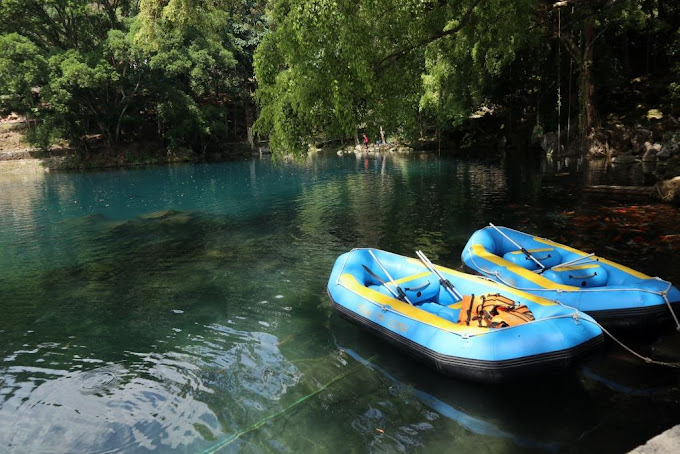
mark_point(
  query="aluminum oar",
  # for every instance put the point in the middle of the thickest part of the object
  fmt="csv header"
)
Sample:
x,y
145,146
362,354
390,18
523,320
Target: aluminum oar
x,y
402,296
527,253
576,260
442,280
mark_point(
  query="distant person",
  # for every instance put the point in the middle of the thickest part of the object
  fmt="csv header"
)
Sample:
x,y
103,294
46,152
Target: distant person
x,y
366,141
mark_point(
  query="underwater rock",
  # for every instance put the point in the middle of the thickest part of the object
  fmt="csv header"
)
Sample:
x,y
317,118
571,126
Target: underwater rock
x,y
159,214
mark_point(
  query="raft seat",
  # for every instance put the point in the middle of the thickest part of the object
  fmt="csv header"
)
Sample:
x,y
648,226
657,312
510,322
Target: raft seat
x,y
445,312
419,288
589,275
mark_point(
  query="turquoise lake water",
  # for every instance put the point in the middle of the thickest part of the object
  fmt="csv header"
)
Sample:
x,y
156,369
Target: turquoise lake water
x,y
184,309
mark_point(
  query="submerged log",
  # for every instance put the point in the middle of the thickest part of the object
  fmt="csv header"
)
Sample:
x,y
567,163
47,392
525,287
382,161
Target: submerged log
x,y
646,192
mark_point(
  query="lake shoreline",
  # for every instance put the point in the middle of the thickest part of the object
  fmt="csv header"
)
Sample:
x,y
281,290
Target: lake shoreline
x,y
18,156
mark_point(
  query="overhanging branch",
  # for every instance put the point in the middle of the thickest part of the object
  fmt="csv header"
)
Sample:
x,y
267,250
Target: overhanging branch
x,y
396,55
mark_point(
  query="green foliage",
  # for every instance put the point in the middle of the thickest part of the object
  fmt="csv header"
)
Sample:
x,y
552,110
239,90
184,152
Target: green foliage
x,y
318,71
329,67
22,67
674,53
116,70
332,67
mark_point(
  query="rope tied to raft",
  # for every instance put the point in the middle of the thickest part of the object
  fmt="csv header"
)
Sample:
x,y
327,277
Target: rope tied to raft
x,y
664,294
646,359
232,438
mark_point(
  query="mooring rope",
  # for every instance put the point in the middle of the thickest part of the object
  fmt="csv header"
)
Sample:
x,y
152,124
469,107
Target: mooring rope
x,y
668,303
630,350
232,438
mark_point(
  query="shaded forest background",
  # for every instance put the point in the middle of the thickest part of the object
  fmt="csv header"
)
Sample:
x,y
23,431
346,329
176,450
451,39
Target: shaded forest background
x,y
204,75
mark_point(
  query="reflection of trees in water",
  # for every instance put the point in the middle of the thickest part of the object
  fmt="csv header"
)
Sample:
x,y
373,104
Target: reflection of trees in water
x,y
23,217
403,203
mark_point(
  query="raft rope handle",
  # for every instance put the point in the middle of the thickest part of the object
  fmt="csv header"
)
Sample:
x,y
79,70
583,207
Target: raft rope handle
x,y
585,276
663,294
232,438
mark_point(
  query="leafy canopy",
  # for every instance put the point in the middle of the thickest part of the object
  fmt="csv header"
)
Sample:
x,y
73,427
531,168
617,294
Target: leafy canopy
x,y
331,66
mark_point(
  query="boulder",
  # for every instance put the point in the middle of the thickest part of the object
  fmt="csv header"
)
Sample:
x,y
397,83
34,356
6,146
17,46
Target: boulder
x,y
597,149
670,145
600,144
664,153
649,156
669,190
664,443
649,146
639,138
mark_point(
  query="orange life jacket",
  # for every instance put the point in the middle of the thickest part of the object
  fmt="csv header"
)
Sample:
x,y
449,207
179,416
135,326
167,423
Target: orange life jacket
x,y
493,311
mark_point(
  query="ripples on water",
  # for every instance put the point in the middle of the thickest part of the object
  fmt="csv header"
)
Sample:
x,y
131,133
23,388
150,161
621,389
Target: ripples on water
x,y
183,309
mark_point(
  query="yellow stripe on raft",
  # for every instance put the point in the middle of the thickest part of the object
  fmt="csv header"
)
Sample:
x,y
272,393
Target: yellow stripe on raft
x,y
412,277
575,267
539,280
625,269
502,289
350,282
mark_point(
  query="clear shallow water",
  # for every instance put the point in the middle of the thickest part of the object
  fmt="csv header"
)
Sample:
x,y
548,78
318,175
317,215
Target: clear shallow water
x,y
183,309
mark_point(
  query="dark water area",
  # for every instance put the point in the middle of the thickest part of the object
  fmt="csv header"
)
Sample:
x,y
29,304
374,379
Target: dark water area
x,y
183,309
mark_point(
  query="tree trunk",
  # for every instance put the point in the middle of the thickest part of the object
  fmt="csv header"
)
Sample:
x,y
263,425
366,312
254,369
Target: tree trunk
x,y
588,111
116,137
249,127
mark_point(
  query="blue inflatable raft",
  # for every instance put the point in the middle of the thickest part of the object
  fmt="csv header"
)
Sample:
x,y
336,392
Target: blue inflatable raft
x,y
401,300
613,294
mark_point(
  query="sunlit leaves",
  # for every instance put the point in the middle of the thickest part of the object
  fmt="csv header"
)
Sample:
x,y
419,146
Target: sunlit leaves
x,y
22,67
377,63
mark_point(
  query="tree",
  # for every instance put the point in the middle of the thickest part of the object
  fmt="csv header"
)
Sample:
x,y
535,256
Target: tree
x,y
22,67
115,69
330,67
67,42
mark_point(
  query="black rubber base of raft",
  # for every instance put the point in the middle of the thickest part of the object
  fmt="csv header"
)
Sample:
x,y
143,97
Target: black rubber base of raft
x,y
638,318
475,369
